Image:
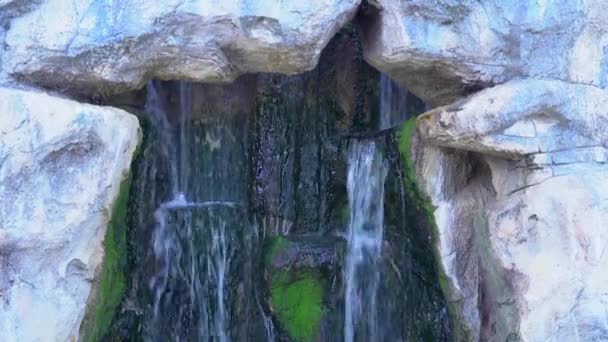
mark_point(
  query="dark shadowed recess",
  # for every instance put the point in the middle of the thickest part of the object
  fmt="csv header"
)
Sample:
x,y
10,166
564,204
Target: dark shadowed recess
x,y
276,146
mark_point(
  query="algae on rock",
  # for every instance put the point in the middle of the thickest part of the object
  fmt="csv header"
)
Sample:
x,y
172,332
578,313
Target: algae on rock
x,y
112,280
298,275
296,299
424,210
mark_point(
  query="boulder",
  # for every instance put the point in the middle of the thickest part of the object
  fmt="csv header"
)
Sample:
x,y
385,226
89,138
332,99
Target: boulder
x,y
61,166
107,47
443,50
518,177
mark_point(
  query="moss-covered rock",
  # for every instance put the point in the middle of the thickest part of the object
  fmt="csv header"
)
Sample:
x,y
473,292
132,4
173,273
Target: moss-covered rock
x,y
111,282
421,201
425,209
299,273
296,299
111,279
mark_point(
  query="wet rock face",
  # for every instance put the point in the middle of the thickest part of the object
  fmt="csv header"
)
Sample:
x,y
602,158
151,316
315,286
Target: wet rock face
x,y
304,252
444,50
518,175
271,137
62,165
283,140
107,47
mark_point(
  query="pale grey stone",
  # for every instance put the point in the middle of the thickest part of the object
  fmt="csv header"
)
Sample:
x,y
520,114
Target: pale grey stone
x,y
519,178
444,49
61,166
106,46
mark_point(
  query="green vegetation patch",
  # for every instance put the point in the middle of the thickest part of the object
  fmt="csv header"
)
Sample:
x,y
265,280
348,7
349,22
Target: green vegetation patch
x,y
296,300
112,282
419,199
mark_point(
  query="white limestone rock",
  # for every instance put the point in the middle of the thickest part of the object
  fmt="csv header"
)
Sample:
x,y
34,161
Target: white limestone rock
x,y
93,46
519,178
442,50
523,118
61,165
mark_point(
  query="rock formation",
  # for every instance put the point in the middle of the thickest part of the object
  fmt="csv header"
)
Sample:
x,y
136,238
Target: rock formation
x,y
513,157
62,163
108,47
518,174
443,50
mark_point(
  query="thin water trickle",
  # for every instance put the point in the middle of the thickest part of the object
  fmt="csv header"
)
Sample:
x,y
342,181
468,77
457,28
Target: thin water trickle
x,y
185,108
156,110
395,103
191,239
366,174
386,101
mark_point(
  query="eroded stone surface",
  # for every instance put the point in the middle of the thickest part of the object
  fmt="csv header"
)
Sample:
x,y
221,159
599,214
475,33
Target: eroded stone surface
x,y
443,50
108,47
61,165
518,176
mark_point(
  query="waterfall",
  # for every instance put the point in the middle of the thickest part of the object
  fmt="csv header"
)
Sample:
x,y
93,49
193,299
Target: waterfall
x,y
224,169
366,174
192,237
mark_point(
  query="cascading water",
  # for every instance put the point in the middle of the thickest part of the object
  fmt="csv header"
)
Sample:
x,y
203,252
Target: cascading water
x,y
225,169
191,239
366,174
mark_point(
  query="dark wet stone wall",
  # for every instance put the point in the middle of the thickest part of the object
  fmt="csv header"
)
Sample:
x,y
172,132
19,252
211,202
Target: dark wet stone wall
x,y
276,145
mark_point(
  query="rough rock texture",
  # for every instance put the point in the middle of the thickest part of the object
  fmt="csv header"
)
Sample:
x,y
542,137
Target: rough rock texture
x,y
519,178
442,50
517,172
61,164
108,46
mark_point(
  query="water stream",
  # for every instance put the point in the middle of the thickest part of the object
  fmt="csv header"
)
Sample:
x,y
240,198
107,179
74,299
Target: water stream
x,y
366,174
191,238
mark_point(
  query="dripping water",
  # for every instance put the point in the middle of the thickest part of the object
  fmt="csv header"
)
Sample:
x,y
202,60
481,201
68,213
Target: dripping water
x,y
397,104
365,182
386,101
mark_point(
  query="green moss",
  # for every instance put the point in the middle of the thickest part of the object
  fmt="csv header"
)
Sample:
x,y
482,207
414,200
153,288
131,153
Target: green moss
x,y
112,278
423,204
296,300
274,246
